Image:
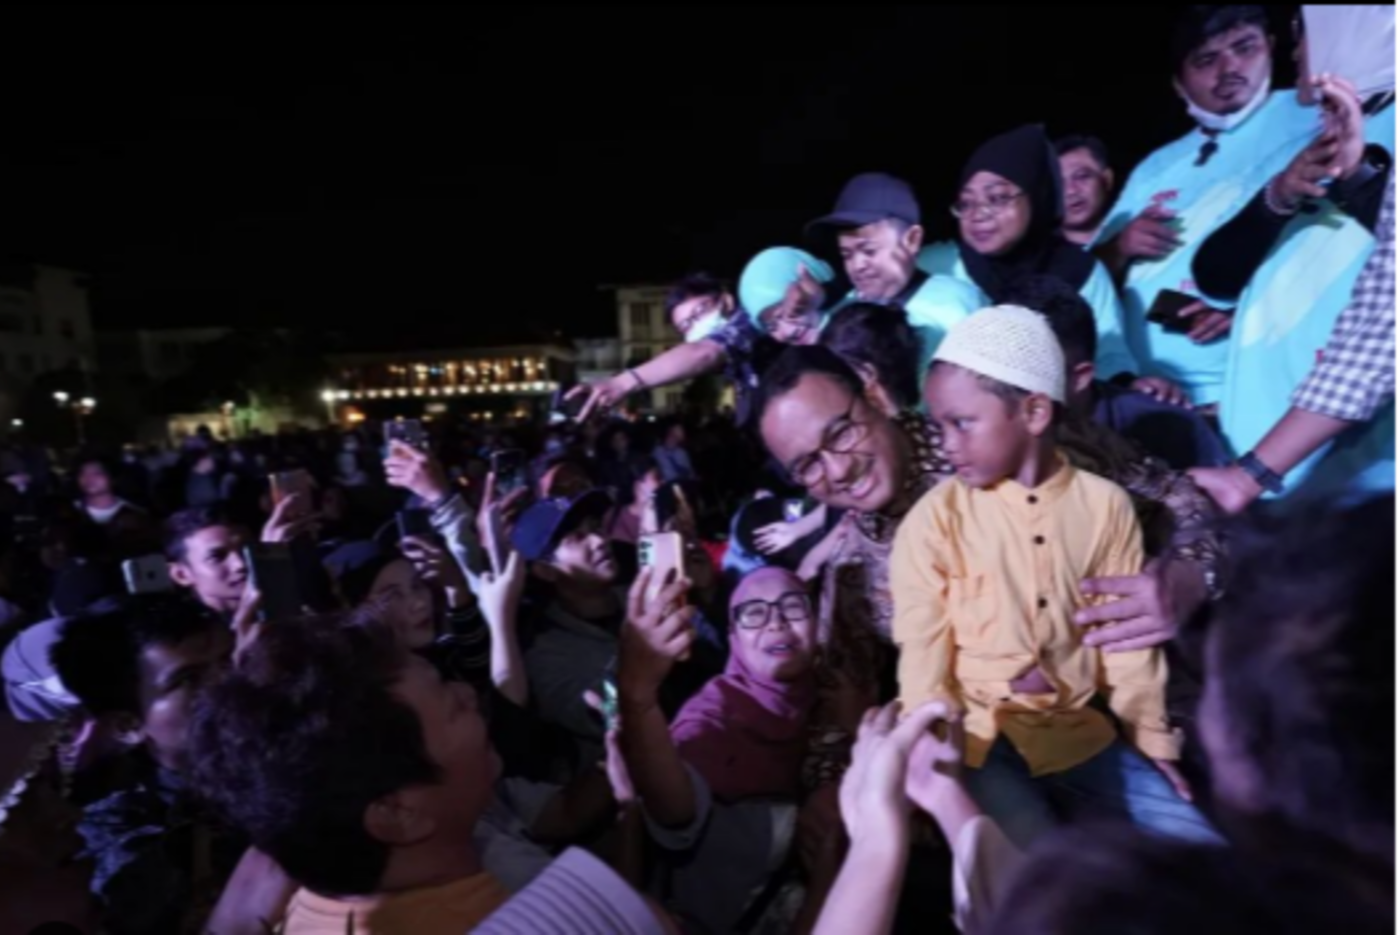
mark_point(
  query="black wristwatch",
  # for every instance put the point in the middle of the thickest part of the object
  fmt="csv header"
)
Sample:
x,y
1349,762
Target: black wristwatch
x,y
1263,475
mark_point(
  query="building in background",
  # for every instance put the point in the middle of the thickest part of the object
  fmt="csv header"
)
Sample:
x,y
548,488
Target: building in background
x,y
478,383
45,326
644,331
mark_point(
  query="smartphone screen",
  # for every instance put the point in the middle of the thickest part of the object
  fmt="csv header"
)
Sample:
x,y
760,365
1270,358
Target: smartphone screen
x,y
509,469
288,483
1165,311
792,510
273,572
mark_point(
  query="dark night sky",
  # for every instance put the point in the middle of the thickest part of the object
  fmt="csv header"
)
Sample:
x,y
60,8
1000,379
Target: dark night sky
x,y
446,172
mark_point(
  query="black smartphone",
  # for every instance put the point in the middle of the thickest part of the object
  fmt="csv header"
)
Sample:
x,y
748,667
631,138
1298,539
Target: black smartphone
x,y
408,431
273,571
414,524
1165,311
508,466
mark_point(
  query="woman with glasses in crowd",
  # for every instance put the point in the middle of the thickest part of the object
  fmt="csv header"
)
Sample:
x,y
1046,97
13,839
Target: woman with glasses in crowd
x,y
1009,209
721,783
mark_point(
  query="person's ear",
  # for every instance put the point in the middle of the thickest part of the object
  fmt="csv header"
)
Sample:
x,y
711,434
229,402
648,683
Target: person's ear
x,y
179,573
400,819
1081,377
1039,413
913,238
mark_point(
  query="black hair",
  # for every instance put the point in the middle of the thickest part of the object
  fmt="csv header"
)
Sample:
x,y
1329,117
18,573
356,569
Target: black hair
x,y
1199,24
98,656
881,338
1123,880
798,361
1301,650
296,743
1096,148
1068,313
182,526
693,286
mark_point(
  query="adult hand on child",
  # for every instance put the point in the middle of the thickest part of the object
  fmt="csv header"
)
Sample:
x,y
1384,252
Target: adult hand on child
x,y
1149,607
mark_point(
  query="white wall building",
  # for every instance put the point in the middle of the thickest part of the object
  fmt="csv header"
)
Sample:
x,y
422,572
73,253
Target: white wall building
x,y
45,325
644,331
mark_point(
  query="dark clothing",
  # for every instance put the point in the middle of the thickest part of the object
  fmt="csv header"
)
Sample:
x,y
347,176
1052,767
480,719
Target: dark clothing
x,y
747,352
159,865
1025,158
1180,437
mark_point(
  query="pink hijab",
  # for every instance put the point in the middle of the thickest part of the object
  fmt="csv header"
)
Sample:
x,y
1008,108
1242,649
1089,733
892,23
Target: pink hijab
x,y
744,734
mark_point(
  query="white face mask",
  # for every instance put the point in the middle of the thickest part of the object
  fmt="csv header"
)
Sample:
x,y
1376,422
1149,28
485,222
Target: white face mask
x,y
1223,123
704,327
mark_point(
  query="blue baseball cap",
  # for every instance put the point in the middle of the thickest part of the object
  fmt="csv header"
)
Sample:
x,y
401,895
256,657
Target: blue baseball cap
x,y
867,198
539,529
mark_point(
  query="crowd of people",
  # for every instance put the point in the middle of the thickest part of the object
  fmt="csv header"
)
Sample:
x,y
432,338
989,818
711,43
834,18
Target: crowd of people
x,y
1042,582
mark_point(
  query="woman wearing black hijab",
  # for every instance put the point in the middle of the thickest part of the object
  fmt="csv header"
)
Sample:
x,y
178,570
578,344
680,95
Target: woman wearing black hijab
x,y
1009,207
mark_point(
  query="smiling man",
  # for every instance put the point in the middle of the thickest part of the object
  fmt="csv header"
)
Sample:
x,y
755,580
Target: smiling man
x,y
817,419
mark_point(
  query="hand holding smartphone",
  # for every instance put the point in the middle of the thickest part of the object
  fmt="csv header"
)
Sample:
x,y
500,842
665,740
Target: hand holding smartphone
x,y
664,554
287,484
1166,308
409,432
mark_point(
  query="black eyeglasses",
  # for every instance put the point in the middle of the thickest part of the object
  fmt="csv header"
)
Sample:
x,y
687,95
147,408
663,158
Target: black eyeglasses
x,y
794,607
840,438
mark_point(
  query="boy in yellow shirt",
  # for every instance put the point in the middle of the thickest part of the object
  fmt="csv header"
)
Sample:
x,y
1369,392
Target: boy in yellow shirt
x,y
985,576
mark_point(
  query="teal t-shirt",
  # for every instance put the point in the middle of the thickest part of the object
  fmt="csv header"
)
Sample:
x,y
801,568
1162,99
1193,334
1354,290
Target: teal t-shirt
x,y
1204,197
1283,321
1114,357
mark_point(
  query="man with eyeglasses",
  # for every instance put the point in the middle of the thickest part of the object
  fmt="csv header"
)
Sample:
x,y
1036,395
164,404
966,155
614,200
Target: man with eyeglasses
x,y
1088,183
1180,194
815,420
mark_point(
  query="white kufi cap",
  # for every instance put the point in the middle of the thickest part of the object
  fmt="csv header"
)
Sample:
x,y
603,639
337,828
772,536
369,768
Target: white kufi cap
x,y
1011,344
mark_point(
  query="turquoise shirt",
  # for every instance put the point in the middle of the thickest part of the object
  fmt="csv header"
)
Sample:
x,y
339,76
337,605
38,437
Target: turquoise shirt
x,y
1284,319
1114,357
1203,198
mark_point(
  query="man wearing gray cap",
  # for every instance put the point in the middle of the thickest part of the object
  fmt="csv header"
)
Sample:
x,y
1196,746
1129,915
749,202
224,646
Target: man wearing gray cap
x,y
877,226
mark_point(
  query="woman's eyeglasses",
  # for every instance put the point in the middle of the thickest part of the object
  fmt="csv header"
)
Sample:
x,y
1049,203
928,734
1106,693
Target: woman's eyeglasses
x,y
992,206
793,606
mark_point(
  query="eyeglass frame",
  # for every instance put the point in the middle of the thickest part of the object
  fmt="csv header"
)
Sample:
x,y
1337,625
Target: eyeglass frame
x,y
992,209
771,606
817,457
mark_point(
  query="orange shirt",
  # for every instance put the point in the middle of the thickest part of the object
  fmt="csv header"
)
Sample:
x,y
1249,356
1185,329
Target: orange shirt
x,y
985,585
451,909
